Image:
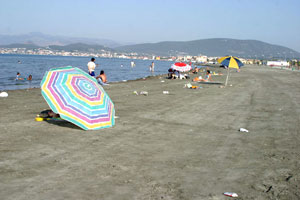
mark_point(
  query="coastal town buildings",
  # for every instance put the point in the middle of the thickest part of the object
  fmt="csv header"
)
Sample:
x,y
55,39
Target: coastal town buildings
x,y
200,59
281,63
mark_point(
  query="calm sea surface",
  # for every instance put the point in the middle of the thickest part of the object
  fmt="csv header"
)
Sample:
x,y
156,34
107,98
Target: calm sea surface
x,y
116,69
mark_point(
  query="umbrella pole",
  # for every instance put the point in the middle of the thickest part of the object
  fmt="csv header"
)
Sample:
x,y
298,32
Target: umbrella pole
x,y
227,76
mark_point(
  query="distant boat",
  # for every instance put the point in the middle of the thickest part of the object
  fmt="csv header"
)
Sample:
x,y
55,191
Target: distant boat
x,y
19,61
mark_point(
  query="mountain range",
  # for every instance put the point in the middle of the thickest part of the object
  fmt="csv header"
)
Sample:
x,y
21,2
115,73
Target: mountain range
x,y
209,47
214,47
41,39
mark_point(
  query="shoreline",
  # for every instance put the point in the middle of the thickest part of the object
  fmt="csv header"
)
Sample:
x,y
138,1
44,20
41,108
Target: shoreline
x,y
116,82
216,67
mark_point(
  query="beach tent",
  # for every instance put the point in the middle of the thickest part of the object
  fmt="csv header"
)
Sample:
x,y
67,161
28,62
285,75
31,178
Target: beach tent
x,y
230,62
181,67
78,98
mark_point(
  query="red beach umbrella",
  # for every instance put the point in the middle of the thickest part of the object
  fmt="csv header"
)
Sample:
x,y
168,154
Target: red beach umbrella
x,y
181,67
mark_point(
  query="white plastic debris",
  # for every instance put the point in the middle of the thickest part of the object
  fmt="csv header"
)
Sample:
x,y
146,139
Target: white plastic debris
x,y
144,93
188,85
243,130
165,92
162,81
3,94
230,194
135,92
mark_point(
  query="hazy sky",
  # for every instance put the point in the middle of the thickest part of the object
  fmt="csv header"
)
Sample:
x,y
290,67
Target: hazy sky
x,y
272,21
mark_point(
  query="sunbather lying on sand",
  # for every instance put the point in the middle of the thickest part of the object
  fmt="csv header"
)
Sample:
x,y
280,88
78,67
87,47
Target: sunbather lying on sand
x,y
207,77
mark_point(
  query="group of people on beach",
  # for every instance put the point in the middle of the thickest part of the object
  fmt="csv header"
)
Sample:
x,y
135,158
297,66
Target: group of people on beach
x,y
101,78
175,74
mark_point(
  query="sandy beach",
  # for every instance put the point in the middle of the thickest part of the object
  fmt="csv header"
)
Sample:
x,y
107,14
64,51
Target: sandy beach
x,y
181,145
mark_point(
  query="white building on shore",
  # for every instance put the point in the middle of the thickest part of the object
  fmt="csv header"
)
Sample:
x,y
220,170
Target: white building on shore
x,y
279,63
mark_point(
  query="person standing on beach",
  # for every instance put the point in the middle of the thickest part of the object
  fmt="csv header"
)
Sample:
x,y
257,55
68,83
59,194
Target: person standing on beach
x,y
91,67
132,64
152,67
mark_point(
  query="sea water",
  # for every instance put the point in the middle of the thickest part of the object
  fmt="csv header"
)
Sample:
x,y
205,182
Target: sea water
x,y
116,69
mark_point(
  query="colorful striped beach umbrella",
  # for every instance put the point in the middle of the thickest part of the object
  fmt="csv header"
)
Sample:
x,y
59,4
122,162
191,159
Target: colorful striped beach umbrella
x,y
78,98
181,67
230,62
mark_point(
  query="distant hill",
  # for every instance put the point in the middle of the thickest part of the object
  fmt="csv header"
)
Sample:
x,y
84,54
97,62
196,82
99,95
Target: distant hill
x,y
45,40
213,47
80,47
209,47
70,48
16,45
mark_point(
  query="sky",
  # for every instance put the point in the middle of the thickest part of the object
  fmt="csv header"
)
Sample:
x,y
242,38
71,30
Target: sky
x,y
140,21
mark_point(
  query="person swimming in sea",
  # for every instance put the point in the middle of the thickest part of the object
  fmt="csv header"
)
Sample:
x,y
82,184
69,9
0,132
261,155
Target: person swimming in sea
x,y
18,77
29,78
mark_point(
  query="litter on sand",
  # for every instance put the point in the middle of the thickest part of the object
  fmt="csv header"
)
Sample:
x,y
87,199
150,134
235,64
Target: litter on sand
x,y
141,93
39,119
230,194
3,94
243,130
144,93
135,92
165,92
190,86
116,117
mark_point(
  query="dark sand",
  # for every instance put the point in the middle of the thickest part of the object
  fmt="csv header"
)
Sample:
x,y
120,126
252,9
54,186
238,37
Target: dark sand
x,y
185,145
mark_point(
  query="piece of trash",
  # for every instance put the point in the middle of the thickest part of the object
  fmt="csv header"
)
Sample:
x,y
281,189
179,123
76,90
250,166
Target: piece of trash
x,y
269,189
222,86
39,119
162,81
288,178
135,92
243,130
165,92
3,94
116,117
124,80
230,85
190,86
144,93
230,194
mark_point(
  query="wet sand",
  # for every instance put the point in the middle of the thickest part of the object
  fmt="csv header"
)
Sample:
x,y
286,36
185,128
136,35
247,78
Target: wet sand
x,y
184,145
